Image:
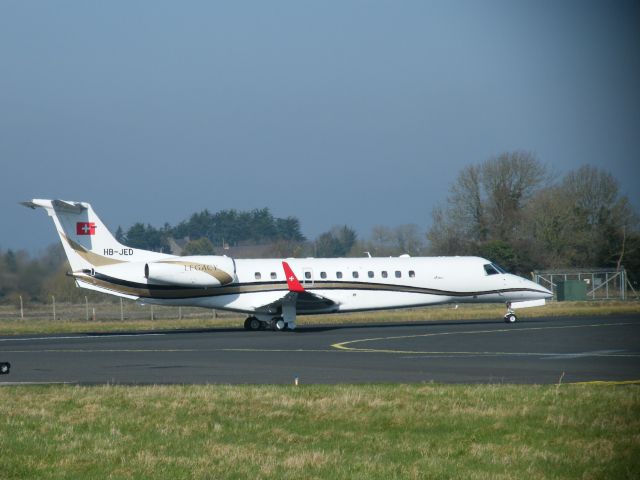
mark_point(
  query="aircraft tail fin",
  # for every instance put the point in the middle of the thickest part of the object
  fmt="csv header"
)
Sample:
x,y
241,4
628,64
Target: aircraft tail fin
x,y
86,240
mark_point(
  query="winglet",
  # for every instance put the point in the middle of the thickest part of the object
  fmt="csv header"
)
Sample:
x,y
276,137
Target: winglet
x,y
292,281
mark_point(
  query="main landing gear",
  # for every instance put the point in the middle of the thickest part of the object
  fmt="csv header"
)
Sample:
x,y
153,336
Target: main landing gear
x,y
510,316
252,323
276,323
4,368
277,319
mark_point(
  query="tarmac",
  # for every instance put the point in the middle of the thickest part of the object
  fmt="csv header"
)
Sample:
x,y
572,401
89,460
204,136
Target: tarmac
x,y
531,351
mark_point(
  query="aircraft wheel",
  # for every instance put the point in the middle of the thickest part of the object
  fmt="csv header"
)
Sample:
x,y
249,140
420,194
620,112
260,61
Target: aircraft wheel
x,y
279,324
510,318
4,368
252,323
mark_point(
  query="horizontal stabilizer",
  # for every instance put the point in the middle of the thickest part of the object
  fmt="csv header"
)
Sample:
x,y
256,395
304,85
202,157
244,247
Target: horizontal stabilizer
x,y
61,205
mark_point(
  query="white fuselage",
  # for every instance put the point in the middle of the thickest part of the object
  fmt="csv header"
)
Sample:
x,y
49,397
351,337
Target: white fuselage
x,y
355,284
274,291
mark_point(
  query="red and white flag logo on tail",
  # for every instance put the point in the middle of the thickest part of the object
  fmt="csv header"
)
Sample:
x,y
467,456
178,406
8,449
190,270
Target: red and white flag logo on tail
x,y
292,281
85,228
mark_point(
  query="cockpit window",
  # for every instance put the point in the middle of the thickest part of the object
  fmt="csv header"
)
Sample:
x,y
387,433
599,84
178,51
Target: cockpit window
x,y
499,268
493,269
490,269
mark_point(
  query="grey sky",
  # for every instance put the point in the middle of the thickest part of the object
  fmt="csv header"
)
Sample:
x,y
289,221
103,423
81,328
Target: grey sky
x,y
358,113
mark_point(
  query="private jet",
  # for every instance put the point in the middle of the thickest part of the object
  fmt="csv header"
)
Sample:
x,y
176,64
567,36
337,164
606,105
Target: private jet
x,y
273,292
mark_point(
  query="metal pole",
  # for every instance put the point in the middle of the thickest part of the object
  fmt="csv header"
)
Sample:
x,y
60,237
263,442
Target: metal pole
x,y
21,309
179,313
121,311
86,307
54,307
151,312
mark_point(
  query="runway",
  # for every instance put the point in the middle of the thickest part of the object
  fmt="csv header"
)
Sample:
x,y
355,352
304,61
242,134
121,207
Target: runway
x,y
545,350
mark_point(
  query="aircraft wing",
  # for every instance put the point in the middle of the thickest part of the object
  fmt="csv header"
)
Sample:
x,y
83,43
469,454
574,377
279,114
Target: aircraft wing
x,y
303,300
306,302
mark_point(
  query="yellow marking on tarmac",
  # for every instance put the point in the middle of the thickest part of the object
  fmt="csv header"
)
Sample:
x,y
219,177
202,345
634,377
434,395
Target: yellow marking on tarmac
x,y
343,345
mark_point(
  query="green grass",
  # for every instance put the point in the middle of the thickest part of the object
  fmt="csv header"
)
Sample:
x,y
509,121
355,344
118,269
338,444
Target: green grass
x,y
71,318
333,432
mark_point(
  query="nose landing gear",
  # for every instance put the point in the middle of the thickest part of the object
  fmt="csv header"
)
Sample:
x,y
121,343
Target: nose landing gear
x,y
510,316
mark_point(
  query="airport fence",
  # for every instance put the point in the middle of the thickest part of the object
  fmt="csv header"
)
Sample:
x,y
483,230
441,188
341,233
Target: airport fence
x,y
121,309
600,283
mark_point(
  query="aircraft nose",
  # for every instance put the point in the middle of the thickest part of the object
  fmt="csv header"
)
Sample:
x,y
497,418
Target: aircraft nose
x,y
545,293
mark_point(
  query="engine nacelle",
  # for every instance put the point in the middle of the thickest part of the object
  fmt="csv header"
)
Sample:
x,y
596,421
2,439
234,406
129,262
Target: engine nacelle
x,y
194,271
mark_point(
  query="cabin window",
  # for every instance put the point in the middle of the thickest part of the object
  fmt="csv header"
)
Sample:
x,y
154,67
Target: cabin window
x,y
323,274
398,274
258,275
412,274
384,274
355,274
307,275
273,275
370,274
338,274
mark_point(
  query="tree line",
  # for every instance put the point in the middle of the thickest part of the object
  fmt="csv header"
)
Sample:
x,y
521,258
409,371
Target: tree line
x,y
511,209
206,230
514,210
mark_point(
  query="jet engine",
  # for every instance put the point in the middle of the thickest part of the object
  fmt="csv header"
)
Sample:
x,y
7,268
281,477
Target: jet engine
x,y
195,271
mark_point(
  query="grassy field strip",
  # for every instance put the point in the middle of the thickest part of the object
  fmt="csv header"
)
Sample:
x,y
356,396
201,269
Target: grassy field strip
x,y
333,432
71,318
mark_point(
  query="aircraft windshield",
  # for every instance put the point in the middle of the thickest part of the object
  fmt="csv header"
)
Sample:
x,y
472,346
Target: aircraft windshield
x,y
499,268
493,269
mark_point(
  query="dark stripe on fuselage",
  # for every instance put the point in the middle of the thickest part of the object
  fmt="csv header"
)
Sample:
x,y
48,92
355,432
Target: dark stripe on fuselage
x,y
179,292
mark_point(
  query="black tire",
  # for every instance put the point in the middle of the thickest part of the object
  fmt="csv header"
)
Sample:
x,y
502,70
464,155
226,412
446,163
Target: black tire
x,y
247,323
279,324
510,318
4,368
254,323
